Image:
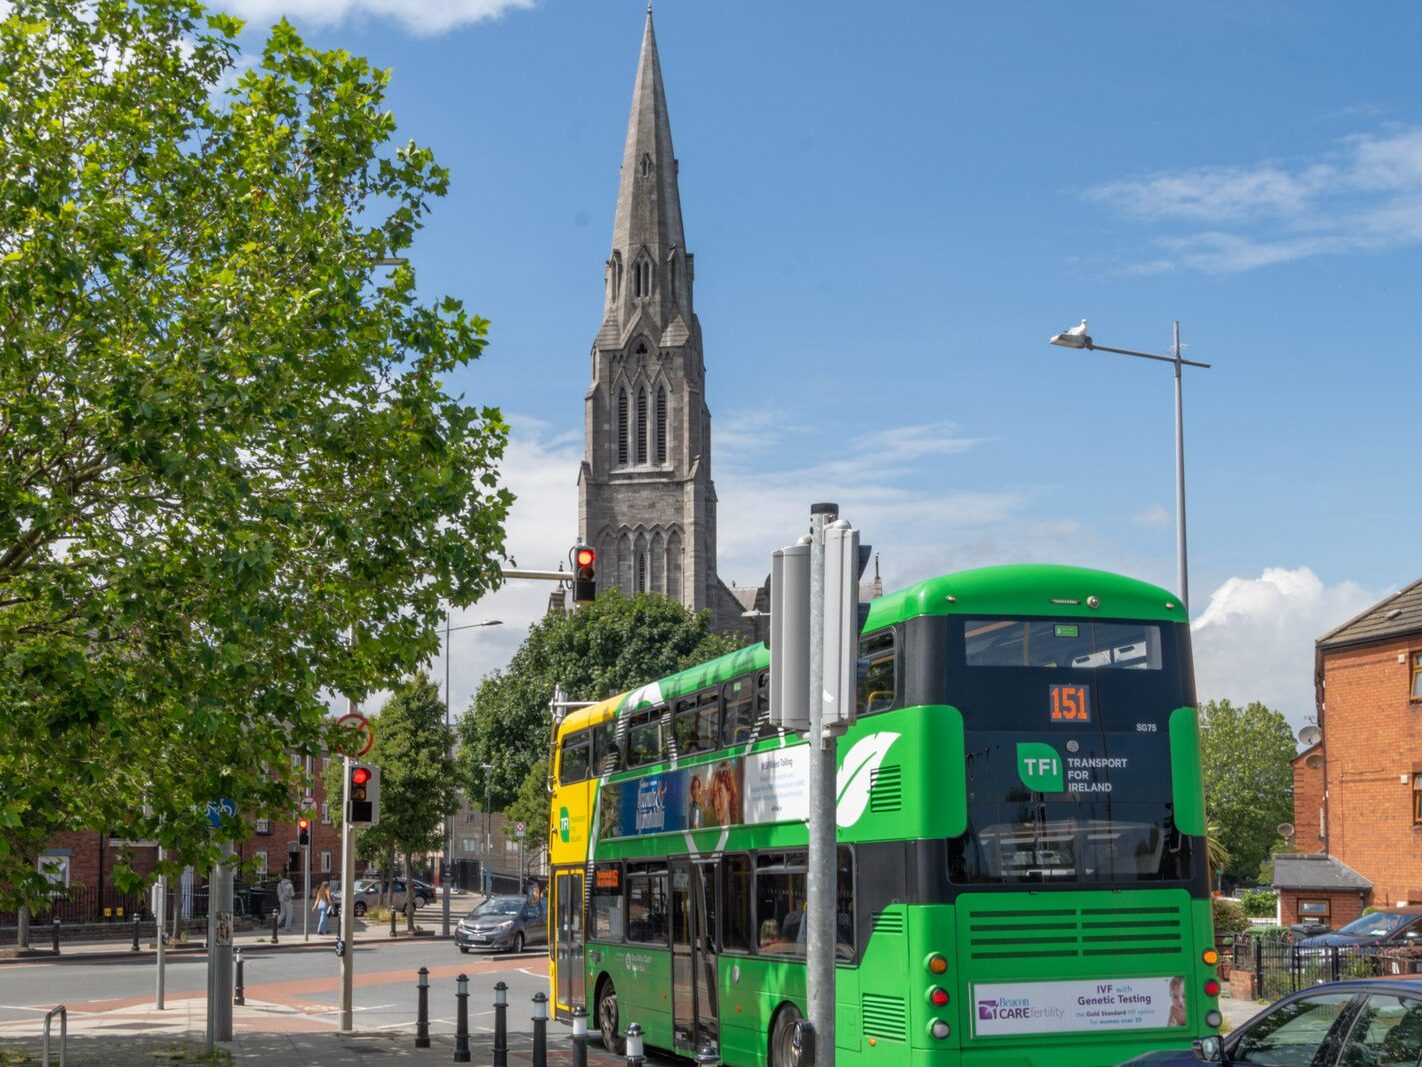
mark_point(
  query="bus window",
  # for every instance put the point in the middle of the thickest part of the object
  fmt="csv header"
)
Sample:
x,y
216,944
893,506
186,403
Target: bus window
x,y
608,906
844,943
780,904
607,753
575,758
647,904
738,726
1057,643
877,658
645,743
736,931
697,722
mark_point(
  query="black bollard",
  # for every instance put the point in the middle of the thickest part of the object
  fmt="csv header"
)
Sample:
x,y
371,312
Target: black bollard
x,y
580,1036
239,987
501,1025
635,1053
134,946
461,1020
422,1018
540,1029
55,927
276,914
708,1056
392,918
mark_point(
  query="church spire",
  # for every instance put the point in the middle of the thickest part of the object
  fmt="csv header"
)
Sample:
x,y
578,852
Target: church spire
x,y
647,239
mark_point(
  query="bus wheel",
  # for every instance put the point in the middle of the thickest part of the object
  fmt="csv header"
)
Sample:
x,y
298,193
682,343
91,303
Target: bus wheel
x,y
782,1048
607,1018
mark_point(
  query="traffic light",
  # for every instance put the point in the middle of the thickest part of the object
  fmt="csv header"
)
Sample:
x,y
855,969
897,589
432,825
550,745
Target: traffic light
x,y
303,831
584,577
364,794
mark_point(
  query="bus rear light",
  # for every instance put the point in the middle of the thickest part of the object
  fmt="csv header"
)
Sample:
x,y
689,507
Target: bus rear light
x,y
936,964
1212,988
939,1029
938,997
1213,1018
1210,956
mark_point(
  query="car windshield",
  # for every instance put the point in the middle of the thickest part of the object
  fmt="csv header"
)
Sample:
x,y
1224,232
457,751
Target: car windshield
x,y
500,906
1379,924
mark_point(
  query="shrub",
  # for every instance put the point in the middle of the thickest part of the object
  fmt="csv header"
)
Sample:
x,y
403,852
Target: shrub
x,y
1229,917
1258,903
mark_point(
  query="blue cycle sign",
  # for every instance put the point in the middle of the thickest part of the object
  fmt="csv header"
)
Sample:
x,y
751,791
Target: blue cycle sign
x,y
220,809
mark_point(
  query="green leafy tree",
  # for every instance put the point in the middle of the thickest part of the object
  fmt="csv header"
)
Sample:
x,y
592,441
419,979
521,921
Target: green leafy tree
x,y
609,646
1249,785
231,479
530,806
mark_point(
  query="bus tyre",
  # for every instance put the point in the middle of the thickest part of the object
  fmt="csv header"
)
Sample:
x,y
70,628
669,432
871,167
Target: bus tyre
x,y
607,1018
784,1050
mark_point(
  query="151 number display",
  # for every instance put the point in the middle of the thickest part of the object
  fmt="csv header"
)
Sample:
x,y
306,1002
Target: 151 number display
x,y
1071,703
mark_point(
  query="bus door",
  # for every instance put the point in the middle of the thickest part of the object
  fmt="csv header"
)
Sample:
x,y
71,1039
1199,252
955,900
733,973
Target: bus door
x,y
567,912
694,1005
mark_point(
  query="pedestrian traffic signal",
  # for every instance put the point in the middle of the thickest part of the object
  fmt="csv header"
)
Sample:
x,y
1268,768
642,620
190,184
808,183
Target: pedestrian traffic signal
x,y
303,831
364,794
584,576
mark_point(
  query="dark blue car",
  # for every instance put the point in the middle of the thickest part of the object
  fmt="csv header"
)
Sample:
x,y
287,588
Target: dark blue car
x,y
1365,1023
1391,927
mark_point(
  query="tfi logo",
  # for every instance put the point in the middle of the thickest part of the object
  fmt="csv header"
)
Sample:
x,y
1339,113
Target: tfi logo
x,y
564,824
1039,766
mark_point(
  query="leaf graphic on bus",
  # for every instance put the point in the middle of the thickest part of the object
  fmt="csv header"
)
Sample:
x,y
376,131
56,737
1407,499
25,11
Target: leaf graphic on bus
x,y
855,775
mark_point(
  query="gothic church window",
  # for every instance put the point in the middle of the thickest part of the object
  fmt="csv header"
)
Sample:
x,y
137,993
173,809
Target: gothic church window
x,y
643,278
642,425
662,424
645,166
622,427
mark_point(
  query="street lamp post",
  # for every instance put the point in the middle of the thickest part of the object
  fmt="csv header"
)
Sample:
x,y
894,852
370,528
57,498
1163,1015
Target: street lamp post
x,y
1077,337
488,833
448,861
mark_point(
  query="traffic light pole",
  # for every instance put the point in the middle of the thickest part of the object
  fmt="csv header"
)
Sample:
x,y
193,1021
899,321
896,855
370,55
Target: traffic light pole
x,y
347,904
306,912
820,874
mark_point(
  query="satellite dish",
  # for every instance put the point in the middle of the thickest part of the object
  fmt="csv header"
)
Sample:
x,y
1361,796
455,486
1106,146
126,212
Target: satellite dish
x,y
1285,829
1314,762
1310,735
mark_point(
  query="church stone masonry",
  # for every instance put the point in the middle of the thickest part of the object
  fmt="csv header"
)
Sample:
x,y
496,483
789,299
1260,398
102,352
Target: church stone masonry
x,y
646,500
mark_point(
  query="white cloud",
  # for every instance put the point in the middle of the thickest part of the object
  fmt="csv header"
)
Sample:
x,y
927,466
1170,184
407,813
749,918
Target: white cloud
x,y
1363,195
1155,516
418,16
1255,638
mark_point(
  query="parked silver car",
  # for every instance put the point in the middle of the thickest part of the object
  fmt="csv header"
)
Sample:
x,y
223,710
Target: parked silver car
x,y
503,923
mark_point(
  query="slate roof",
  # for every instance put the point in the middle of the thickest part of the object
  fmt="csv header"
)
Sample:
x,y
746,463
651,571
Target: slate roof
x,y
1299,870
1395,616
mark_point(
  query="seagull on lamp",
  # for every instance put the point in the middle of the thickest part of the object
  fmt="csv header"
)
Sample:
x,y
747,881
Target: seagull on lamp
x,y
1076,337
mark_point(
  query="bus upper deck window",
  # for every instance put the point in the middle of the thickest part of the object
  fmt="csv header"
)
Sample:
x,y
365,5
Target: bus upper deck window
x,y
576,758
739,722
645,743
607,753
877,657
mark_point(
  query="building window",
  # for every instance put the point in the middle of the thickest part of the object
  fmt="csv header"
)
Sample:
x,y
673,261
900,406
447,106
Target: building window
x,y
261,863
1417,800
642,277
325,861
662,426
1318,911
622,435
642,425
1417,676
641,572
325,813
468,844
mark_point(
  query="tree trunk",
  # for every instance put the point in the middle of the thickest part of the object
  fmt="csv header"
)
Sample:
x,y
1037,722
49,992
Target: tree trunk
x,y
387,892
409,895
22,928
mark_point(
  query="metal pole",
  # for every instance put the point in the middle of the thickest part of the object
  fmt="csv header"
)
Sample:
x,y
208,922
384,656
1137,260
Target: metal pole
x,y
347,901
488,833
501,1025
461,1019
1183,575
161,923
820,877
580,1036
306,905
422,1017
540,1029
220,949
239,988
446,863
55,927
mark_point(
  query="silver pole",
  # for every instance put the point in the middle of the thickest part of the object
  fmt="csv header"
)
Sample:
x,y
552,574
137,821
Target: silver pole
x,y
820,878
347,901
1181,560
219,949
306,862
161,925
446,861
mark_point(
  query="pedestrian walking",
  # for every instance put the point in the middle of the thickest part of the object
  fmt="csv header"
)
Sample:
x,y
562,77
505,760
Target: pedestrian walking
x,y
323,906
285,893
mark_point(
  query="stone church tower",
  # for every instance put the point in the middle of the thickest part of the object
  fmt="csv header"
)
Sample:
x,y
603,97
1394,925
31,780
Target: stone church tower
x,y
646,501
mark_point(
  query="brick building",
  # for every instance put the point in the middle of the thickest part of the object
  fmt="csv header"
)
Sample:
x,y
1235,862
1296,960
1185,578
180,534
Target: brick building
x,y
1358,791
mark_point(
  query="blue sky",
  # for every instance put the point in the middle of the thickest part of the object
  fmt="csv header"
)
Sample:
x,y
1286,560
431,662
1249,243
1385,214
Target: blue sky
x,y
892,206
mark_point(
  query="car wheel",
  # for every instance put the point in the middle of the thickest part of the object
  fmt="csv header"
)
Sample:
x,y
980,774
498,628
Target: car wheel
x,y
358,909
420,902
518,941
464,949
607,1018
783,1052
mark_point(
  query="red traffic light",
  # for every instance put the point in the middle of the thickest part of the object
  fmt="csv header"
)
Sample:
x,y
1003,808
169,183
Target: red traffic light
x,y
302,824
585,557
360,775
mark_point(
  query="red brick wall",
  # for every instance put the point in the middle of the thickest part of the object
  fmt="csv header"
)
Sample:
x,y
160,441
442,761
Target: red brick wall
x,y
1344,906
1308,800
1373,736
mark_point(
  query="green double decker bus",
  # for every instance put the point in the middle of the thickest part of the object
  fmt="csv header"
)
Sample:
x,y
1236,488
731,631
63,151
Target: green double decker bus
x,y
1021,853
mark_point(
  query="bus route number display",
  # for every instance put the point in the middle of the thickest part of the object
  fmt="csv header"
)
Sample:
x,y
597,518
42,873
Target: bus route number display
x,y
1071,703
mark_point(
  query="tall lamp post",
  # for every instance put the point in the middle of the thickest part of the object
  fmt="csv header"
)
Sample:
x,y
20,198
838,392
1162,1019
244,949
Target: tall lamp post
x,y
448,861
488,831
1077,337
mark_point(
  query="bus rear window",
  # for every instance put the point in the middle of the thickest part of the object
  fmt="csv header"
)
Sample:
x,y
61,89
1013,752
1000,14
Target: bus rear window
x,y
575,758
1061,643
